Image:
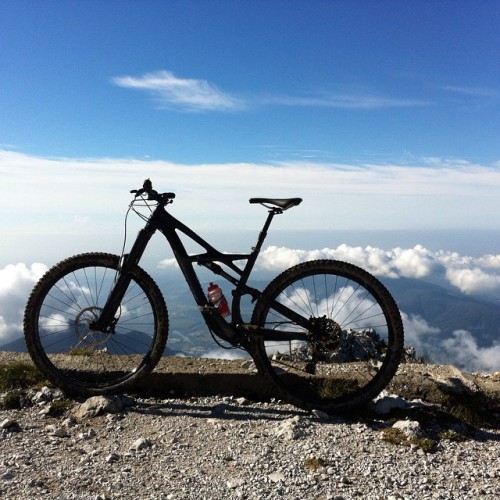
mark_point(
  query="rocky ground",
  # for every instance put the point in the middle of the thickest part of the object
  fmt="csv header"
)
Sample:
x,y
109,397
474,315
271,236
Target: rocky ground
x,y
194,444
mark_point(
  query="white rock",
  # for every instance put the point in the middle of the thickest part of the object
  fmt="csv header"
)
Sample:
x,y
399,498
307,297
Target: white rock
x,y
10,425
140,444
54,430
276,477
385,403
97,405
321,415
235,483
290,429
411,428
456,384
113,457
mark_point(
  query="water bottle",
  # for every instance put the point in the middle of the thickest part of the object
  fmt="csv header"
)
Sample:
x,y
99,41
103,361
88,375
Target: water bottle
x,y
216,298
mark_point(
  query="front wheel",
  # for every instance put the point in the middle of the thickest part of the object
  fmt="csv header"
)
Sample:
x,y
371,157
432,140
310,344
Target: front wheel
x,y
340,348
58,326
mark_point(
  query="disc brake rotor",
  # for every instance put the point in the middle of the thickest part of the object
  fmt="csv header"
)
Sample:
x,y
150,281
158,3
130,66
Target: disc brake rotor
x,y
88,337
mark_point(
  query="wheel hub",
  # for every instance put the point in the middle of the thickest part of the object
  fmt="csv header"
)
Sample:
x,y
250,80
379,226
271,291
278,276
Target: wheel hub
x,y
84,331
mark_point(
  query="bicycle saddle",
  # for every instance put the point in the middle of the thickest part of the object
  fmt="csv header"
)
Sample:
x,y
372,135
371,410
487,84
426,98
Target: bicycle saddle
x,y
283,203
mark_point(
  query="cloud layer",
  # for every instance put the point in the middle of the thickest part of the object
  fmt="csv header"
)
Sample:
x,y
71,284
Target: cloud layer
x,y
461,349
54,194
473,276
470,275
16,283
88,197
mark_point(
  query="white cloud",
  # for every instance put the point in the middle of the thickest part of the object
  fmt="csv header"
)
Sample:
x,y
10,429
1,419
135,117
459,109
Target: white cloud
x,y
418,333
475,276
470,275
16,283
167,263
460,350
225,354
473,281
88,198
490,261
416,262
463,350
280,258
52,194
185,93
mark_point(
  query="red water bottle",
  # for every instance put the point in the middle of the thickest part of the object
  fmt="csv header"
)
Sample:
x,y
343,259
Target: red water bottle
x,y
216,298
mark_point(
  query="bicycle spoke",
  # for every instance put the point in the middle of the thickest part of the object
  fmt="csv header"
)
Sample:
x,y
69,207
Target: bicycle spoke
x,y
68,300
349,326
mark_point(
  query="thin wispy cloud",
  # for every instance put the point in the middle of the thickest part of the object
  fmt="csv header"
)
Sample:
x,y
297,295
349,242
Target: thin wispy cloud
x,y
199,95
183,93
344,101
472,91
189,94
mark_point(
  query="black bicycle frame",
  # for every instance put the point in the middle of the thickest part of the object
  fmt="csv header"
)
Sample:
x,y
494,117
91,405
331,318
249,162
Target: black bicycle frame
x,y
168,225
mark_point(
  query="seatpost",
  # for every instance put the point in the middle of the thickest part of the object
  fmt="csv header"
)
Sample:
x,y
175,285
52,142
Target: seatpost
x,y
256,249
263,233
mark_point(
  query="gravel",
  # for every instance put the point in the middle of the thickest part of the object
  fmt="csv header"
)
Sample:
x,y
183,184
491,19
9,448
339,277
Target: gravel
x,y
227,447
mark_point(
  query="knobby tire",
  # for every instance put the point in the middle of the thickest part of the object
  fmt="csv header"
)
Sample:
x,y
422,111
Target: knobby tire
x,y
72,356
357,350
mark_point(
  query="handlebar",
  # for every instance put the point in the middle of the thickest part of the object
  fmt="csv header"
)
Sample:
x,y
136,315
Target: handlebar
x,y
147,188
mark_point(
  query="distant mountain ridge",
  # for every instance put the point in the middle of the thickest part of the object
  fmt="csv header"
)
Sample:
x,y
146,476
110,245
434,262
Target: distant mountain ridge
x,y
440,307
447,310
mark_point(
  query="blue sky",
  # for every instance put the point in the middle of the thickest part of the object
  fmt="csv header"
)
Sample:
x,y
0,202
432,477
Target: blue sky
x,y
232,81
381,115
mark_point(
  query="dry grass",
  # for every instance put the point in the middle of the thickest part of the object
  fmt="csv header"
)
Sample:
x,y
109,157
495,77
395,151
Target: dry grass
x,y
19,375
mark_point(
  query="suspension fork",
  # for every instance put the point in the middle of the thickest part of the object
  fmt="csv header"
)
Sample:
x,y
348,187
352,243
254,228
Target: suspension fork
x,y
107,319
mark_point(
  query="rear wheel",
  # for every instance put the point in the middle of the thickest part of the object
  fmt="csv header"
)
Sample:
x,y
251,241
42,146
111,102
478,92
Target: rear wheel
x,y
348,345
58,326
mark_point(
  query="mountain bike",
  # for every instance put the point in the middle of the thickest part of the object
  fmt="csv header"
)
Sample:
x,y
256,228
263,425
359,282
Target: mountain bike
x,y
325,333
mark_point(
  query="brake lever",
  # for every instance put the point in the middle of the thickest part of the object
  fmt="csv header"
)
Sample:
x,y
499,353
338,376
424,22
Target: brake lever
x,y
147,187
